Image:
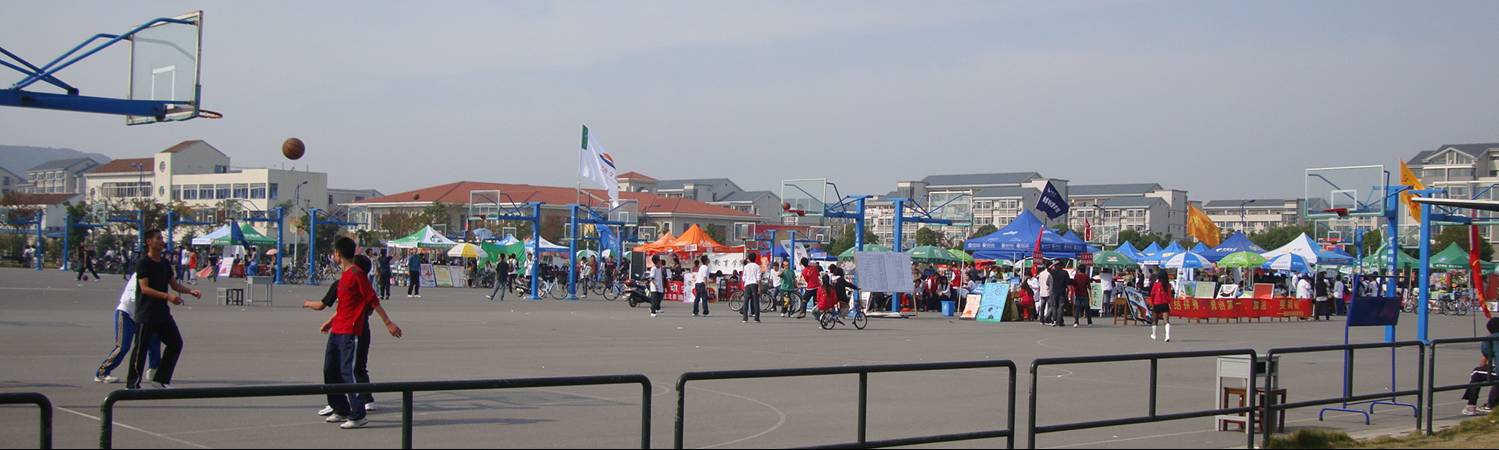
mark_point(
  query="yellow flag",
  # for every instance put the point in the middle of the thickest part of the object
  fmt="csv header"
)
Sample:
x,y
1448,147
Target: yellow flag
x,y
1200,226
1408,178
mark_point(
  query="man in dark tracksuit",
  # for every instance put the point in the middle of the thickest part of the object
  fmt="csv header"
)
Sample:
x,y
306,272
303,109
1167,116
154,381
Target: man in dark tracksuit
x,y
414,276
384,288
1059,283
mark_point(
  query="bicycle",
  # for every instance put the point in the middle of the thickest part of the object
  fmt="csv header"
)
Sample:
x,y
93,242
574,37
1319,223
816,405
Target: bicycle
x,y
613,290
829,319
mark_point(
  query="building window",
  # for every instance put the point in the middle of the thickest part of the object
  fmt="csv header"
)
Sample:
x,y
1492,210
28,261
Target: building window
x,y
274,191
257,191
205,192
221,192
189,192
241,191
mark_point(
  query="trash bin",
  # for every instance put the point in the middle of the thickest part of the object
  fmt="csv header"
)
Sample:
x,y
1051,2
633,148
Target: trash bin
x,y
947,308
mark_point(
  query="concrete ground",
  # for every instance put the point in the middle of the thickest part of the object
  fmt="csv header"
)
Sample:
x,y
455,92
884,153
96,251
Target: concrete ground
x,y
54,332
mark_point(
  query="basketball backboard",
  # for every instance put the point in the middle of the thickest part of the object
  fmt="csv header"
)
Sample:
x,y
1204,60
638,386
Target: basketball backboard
x,y
164,67
1358,189
483,204
806,198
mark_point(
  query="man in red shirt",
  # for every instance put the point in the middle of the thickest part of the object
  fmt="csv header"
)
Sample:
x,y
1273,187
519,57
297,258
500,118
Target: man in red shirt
x,y
812,277
356,297
1081,283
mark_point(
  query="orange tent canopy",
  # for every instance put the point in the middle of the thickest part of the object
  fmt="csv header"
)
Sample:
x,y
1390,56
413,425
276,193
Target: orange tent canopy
x,y
661,245
695,240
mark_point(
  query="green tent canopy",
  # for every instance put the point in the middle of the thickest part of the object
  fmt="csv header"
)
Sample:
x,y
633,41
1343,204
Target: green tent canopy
x,y
1403,260
1453,258
962,256
495,251
423,238
931,254
251,236
848,255
1242,260
1113,260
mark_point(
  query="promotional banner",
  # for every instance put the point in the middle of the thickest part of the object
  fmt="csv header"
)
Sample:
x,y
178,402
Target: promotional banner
x,y
996,298
1212,308
442,276
429,276
971,306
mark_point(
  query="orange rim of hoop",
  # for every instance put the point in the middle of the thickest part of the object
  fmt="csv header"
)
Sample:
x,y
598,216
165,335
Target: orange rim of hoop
x,y
206,114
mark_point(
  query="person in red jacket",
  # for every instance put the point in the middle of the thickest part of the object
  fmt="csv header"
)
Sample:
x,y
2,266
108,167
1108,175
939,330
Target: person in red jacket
x,y
812,278
1081,283
356,298
1160,300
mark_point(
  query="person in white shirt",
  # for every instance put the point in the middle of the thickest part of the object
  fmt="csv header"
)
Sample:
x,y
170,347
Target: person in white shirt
x,y
751,288
125,327
700,285
1304,288
1106,283
1337,296
657,275
1044,289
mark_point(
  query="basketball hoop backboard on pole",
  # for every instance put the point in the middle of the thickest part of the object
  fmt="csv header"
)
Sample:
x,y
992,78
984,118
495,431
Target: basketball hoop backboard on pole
x,y
804,198
1356,191
163,75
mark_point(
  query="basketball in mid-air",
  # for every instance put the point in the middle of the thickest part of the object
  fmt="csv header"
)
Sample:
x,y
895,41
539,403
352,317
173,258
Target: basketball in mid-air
x,y
785,206
293,148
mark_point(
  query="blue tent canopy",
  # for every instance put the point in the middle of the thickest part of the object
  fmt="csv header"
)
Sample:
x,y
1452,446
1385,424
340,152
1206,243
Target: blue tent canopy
x,y
1234,244
1017,241
1150,252
1128,250
1334,258
1164,254
1200,248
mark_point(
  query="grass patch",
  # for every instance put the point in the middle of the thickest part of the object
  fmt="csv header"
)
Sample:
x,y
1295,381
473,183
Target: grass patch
x,y
1481,432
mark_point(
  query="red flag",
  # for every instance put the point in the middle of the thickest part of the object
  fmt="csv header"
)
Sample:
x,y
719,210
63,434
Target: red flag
x,y
1037,255
1475,263
1087,230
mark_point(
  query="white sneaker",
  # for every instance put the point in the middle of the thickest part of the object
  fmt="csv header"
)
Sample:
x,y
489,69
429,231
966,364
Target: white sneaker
x,y
352,424
1470,410
1074,325
326,411
1485,410
336,418
370,407
1152,336
160,385
150,374
106,380
653,314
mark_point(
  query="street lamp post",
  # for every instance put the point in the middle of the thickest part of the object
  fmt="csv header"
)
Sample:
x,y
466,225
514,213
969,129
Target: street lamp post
x,y
1243,214
297,202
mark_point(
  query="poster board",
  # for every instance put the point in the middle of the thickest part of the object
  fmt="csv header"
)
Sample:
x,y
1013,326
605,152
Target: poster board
x,y
458,276
887,272
1264,291
1205,289
443,277
1095,297
996,298
429,276
971,306
1374,311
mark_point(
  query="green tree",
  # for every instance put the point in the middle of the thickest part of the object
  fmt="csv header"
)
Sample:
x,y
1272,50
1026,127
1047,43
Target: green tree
x,y
845,240
927,236
717,233
397,224
1447,236
436,213
1373,239
553,228
984,231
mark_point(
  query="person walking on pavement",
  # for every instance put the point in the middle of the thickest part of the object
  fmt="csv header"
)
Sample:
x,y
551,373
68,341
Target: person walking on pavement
x,y
414,276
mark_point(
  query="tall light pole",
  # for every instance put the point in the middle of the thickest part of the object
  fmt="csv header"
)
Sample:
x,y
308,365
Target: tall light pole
x,y
1243,215
296,203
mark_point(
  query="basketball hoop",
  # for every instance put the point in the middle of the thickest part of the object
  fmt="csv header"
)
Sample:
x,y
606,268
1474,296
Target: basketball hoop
x,y
1340,212
206,114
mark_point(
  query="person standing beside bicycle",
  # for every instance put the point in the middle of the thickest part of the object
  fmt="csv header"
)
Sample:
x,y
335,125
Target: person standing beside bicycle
x,y
811,284
751,288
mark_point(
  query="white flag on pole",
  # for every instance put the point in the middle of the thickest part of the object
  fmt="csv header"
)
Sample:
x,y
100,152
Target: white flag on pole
x,y
595,164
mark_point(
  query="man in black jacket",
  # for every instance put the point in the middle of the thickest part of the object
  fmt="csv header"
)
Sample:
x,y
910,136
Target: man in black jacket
x,y
1059,282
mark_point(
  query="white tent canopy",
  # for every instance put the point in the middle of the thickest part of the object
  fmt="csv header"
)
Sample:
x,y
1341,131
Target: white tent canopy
x,y
546,246
208,239
1302,246
427,237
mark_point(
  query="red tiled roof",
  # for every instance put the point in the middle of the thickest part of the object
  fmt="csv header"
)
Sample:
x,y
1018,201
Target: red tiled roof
x,y
125,166
457,193
39,199
635,176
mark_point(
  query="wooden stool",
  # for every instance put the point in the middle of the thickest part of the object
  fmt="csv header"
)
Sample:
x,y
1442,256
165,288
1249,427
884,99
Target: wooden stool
x,y
1121,312
1280,399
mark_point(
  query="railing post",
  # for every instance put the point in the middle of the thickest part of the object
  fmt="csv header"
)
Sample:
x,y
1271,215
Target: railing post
x,y
1253,374
645,414
1422,393
681,413
1010,417
863,406
46,427
1154,365
1030,430
406,397
106,423
1272,378
1429,386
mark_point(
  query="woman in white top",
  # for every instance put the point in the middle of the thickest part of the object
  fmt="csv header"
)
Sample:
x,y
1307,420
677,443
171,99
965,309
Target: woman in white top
x,y
700,285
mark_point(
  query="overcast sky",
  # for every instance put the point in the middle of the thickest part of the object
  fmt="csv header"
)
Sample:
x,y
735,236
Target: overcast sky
x,y
1224,99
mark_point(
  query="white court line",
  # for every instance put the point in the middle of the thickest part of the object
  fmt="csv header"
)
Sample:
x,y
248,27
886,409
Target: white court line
x,y
779,422
128,427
